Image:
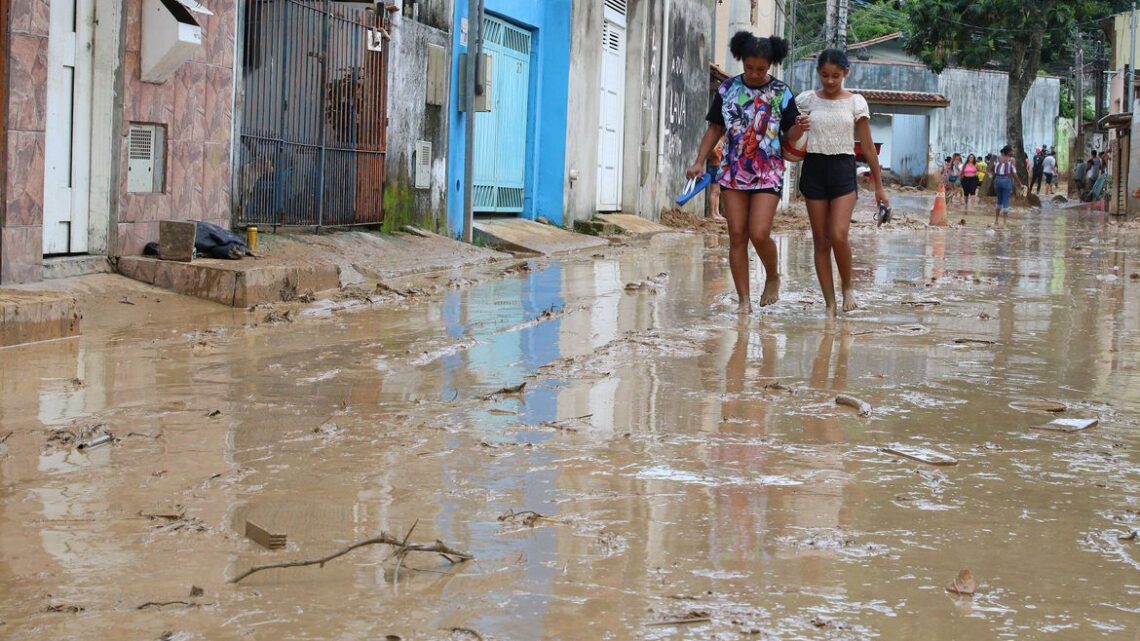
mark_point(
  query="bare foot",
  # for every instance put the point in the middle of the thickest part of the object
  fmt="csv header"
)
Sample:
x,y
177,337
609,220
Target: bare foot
x,y
849,303
771,292
745,307
830,310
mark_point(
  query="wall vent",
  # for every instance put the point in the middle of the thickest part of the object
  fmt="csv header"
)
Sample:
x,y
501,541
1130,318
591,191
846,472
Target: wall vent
x,y
616,10
145,169
423,164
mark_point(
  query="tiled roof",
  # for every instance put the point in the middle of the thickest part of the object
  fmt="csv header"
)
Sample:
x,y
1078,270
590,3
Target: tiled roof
x,y
916,98
875,41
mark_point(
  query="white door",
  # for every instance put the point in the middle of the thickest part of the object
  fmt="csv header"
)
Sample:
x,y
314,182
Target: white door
x,y
611,122
67,141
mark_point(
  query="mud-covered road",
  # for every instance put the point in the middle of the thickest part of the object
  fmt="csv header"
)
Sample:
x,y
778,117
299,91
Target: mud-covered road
x,y
669,471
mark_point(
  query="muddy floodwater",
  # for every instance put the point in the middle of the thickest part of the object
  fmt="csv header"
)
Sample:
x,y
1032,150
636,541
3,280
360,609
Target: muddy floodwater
x,y
668,471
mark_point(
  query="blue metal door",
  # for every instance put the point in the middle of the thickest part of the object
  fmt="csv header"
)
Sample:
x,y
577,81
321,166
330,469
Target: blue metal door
x,y
501,134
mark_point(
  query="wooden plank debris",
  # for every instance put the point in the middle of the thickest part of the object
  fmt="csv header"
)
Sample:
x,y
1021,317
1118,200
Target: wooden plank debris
x,y
920,454
263,537
1067,425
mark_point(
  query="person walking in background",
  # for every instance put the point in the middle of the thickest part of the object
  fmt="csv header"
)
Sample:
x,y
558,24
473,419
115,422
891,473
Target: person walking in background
x,y
751,111
835,117
1005,178
1038,169
1079,176
714,189
970,179
955,177
1092,172
1049,169
983,166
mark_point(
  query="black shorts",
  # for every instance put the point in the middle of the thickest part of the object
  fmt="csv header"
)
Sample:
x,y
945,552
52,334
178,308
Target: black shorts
x,y
825,177
1048,179
969,185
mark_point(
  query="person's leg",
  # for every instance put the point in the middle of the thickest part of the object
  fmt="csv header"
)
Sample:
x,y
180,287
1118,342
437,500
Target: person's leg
x,y
838,228
762,209
817,215
714,202
1001,188
736,212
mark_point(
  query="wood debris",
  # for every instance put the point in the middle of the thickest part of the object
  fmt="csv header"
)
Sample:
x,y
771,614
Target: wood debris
x,y
1067,425
859,404
963,584
920,454
264,537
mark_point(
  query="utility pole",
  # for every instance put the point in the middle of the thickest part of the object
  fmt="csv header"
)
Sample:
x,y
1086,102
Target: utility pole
x,y
474,51
841,25
832,14
1079,99
1128,92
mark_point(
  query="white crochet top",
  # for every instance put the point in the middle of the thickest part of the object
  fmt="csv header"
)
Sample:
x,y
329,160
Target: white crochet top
x,y
832,122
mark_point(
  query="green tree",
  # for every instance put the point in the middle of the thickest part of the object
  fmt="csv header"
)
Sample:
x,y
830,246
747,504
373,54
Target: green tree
x,y
873,18
1026,34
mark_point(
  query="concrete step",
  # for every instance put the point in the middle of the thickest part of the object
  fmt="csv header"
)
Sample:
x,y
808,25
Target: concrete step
x,y
525,236
31,316
636,225
238,283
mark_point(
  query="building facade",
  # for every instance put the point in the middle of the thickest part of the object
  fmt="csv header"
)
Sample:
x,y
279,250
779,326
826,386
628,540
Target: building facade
x,y
110,126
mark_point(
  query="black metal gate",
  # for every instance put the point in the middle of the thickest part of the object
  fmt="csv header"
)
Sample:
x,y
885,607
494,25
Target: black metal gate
x,y
314,113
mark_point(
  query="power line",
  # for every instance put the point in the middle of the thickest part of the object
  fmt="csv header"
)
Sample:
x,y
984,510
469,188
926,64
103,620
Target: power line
x,y
884,9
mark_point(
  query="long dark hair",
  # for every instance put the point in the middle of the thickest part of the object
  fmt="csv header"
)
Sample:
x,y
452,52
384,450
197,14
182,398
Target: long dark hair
x,y
743,45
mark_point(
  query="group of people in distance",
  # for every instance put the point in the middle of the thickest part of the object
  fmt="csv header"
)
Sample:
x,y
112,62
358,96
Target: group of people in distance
x,y
965,178
763,125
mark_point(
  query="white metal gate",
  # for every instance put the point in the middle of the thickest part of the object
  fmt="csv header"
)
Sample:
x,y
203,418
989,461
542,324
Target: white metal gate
x,y
611,121
67,141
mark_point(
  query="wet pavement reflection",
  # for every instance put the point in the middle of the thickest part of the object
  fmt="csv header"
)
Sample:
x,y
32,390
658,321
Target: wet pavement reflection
x,y
695,477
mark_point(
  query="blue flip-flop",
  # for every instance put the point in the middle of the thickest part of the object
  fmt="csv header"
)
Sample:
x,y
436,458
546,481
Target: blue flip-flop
x,y
694,187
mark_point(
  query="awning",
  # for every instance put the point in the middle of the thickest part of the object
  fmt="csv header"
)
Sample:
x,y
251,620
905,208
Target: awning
x,y
903,98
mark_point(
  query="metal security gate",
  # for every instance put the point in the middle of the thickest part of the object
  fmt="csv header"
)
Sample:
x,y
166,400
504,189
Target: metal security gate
x,y
501,133
314,113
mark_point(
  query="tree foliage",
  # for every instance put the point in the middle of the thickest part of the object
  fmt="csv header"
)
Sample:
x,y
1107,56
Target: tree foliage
x,y
1018,35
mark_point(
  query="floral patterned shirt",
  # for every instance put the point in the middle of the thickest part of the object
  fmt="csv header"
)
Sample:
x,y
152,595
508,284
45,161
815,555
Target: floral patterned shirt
x,y
753,118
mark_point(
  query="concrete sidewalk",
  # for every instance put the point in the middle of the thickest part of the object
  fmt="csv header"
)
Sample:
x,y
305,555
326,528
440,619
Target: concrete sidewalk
x,y
293,264
528,237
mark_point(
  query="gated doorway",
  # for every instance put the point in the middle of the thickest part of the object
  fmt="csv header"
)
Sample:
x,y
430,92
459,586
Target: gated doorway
x,y
314,114
501,133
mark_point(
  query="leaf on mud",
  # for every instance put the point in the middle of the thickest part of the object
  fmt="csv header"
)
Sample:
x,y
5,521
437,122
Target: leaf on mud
x,y
963,583
1038,405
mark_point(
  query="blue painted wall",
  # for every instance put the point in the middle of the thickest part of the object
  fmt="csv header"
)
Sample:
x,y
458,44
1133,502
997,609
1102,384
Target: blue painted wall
x,y
549,24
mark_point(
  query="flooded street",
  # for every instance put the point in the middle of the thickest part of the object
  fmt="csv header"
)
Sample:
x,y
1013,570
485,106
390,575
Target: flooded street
x,y
668,471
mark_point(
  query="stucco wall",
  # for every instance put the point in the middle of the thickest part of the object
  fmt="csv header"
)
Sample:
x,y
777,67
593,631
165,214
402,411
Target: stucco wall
x,y
410,119
653,160
196,107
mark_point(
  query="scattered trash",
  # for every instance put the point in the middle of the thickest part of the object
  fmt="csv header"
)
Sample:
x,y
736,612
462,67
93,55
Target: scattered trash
x,y
920,454
922,303
126,301
403,548
1132,536
694,616
780,387
862,406
911,329
96,442
214,413
1067,425
264,538
196,591
1038,405
963,584
276,316
466,631
64,608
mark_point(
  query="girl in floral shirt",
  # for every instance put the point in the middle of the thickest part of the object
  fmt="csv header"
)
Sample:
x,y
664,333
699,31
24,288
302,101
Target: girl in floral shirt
x,y
752,112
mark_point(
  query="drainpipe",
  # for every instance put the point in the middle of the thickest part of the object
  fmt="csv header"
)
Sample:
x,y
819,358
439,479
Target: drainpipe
x,y
666,11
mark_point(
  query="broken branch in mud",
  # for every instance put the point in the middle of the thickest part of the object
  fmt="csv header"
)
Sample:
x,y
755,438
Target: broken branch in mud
x,y
403,547
696,616
6,437
163,604
859,404
466,631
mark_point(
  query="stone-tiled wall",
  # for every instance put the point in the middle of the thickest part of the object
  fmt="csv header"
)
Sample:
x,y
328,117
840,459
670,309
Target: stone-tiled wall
x,y
196,106
21,229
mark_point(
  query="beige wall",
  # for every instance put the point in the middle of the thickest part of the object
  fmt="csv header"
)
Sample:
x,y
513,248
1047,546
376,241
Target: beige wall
x,y
768,19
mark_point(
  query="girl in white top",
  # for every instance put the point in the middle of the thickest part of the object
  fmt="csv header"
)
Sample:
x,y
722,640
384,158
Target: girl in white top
x,y
835,118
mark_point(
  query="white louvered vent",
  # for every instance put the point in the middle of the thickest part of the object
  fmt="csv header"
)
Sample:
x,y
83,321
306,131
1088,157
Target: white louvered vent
x,y
423,164
144,159
620,6
615,10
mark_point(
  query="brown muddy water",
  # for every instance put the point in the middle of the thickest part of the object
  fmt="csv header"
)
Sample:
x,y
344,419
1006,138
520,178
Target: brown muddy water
x,y
675,480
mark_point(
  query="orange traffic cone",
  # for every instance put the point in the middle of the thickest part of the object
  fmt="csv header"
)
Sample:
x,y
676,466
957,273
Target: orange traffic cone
x,y
938,212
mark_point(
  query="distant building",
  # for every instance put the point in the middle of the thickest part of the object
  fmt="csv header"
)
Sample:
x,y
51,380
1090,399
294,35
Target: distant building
x,y
919,116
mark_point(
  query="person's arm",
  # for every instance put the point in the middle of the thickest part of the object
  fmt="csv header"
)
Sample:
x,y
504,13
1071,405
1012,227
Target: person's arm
x,y
712,135
863,132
